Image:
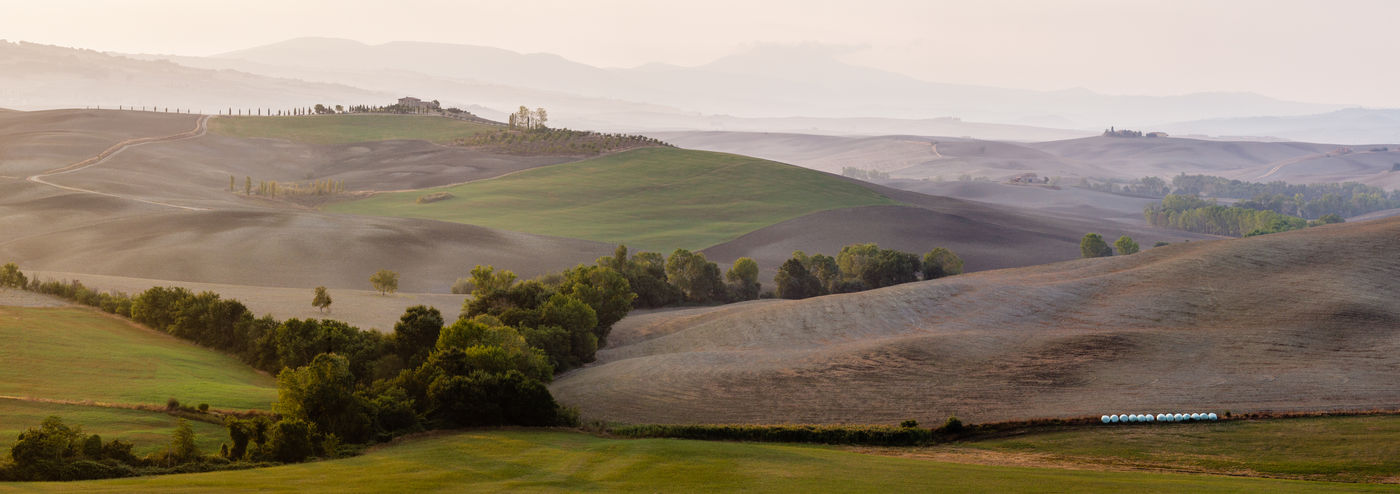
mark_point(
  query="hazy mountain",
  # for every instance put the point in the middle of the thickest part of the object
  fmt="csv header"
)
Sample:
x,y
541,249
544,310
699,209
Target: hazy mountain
x,y
1348,126
770,81
34,76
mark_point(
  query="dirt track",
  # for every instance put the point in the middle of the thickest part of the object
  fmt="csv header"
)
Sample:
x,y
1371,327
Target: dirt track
x,y
1293,321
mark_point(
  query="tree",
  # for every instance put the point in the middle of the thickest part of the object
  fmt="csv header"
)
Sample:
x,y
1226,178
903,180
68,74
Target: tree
x,y
604,289
1093,245
230,183
485,279
322,299
385,281
743,279
540,117
941,262
795,282
11,277
291,440
1126,245
696,277
247,185
182,446
323,393
416,333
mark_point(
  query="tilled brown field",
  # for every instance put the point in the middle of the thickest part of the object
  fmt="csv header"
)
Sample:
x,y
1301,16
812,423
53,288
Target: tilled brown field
x,y
1293,321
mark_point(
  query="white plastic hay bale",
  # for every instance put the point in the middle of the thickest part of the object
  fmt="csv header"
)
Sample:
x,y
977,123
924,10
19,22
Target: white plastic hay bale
x,y
1195,416
1104,419
1212,416
1147,418
1161,418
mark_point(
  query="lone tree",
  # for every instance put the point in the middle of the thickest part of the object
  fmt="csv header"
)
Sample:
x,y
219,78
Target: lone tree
x,y
385,281
1092,245
1126,245
941,262
322,300
11,277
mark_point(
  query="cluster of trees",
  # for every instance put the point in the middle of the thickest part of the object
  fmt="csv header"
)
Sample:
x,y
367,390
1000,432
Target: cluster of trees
x,y
54,450
1112,132
860,267
339,385
1093,245
546,141
1153,187
1193,214
1303,200
527,119
1310,201
863,174
271,188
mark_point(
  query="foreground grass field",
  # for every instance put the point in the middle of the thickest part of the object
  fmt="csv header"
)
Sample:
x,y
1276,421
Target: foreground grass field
x,y
83,355
1350,449
148,431
343,129
544,461
654,199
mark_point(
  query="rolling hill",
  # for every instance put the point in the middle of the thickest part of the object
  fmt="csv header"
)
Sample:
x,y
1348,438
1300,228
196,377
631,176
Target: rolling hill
x,y
1290,321
652,199
552,461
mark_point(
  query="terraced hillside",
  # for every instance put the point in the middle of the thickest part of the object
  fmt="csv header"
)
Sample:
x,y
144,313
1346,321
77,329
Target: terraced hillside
x,y
1300,320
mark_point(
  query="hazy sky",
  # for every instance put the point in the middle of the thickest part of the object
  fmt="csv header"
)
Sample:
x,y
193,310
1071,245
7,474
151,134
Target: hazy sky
x,y
1332,51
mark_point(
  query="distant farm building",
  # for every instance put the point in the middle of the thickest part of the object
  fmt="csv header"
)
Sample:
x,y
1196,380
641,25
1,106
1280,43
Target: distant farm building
x,y
409,102
1156,134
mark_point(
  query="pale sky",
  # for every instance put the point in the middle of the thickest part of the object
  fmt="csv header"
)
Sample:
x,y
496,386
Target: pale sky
x,y
1332,51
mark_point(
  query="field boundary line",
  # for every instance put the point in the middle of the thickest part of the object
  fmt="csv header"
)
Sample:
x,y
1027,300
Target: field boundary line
x,y
200,128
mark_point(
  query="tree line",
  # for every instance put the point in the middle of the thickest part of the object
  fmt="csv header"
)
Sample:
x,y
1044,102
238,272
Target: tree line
x,y
1193,214
1308,201
860,267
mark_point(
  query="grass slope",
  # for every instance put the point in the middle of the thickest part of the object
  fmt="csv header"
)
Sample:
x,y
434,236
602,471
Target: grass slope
x,y
1350,449
81,355
654,199
343,129
148,431
535,461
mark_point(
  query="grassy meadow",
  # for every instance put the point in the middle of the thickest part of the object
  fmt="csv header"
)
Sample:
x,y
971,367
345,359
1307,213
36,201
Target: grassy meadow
x,y
1349,449
550,461
147,431
654,199
83,355
344,129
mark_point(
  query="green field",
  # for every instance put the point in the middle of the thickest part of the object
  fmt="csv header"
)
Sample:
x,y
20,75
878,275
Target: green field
x,y
533,461
148,431
83,355
1351,449
343,129
654,199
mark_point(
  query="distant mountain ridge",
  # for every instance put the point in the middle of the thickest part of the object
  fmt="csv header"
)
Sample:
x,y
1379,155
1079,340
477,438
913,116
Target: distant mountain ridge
x,y
769,81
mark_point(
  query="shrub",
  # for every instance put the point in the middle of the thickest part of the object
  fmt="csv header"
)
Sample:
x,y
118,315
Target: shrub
x,y
909,423
952,426
434,197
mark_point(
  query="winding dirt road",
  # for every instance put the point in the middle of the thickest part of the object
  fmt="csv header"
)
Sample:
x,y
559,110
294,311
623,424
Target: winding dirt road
x,y
200,128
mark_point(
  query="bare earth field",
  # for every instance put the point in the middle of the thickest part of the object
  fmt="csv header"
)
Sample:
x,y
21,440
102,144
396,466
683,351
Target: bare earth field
x,y
191,228
906,157
215,236
362,308
986,236
31,142
1292,321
